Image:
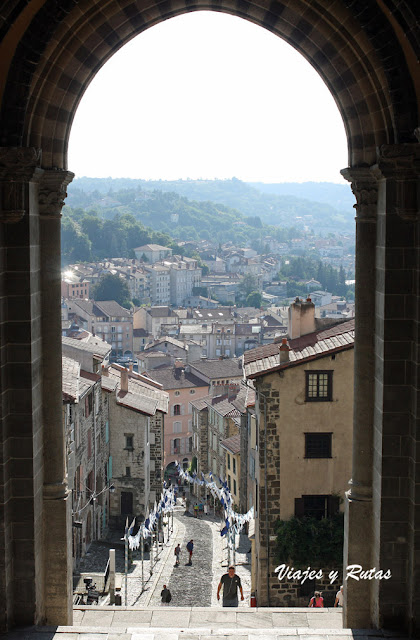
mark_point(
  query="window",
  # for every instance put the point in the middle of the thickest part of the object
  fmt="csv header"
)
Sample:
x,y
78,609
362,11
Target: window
x,y
88,405
128,472
89,443
318,445
234,487
228,461
192,391
126,503
177,409
234,465
177,393
318,386
129,442
177,427
318,507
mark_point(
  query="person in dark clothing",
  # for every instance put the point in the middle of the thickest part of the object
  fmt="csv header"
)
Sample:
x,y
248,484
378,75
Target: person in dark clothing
x,y
230,583
165,595
190,548
177,553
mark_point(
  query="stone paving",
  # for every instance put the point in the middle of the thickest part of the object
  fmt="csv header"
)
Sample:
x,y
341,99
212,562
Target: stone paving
x,y
193,586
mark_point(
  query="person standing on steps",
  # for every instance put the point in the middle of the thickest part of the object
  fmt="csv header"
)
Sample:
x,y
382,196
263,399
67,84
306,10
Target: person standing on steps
x,y
230,583
177,553
317,600
190,549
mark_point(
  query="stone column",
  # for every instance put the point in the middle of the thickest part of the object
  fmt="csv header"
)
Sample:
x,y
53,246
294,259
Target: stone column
x,y
358,521
396,477
57,498
21,543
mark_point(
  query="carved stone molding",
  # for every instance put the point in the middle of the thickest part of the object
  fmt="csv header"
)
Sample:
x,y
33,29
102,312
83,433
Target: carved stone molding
x,y
18,166
53,191
401,163
364,184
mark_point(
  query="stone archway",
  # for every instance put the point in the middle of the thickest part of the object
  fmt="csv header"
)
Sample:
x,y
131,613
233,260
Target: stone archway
x,y
367,55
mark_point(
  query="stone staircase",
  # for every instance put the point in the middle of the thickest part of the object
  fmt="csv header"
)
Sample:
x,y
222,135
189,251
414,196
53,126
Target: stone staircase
x,y
201,623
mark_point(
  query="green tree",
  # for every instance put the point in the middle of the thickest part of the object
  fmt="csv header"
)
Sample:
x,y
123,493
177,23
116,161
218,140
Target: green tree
x,y
254,299
111,287
247,285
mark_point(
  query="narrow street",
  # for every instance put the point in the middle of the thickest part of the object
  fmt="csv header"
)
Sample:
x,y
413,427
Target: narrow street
x,y
190,586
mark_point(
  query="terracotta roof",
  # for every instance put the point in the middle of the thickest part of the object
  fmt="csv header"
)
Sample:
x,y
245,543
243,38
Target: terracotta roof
x,y
173,341
213,369
70,384
93,345
169,378
138,402
264,359
200,403
138,385
109,384
232,444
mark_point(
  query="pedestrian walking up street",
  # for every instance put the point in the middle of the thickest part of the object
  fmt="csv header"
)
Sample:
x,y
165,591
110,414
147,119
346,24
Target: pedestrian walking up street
x,y
165,595
177,552
230,583
190,549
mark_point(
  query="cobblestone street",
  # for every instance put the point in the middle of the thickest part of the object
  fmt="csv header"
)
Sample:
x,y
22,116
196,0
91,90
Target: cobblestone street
x,y
190,586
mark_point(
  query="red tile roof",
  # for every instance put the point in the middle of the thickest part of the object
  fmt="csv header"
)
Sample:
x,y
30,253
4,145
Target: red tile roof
x,y
265,359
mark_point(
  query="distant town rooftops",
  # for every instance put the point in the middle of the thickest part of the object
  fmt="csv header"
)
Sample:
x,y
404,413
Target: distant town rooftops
x,y
176,378
152,247
214,369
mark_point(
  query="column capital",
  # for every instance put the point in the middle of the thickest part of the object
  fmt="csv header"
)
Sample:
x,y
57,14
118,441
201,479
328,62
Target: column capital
x,y
18,167
364,184
401,164
53,191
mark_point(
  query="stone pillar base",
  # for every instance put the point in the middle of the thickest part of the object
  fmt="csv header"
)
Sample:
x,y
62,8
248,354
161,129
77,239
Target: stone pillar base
x,y
357,550
58,570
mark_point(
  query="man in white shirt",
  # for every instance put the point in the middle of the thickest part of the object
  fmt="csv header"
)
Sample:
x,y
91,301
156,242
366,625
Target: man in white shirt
x,y
339,598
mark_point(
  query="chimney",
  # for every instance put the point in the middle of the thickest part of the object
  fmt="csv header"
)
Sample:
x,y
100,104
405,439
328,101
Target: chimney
x,y
284,351
105,371
301,318
124,380
130,367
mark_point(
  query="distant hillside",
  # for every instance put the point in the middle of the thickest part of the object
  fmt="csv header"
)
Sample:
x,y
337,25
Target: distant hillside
x,y
338,196
170,214
285,209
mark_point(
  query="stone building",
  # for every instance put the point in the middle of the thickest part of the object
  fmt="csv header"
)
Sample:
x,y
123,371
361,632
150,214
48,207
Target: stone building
x,y
302,438
232,448
216,418
136,417
87,435
366,53
106,319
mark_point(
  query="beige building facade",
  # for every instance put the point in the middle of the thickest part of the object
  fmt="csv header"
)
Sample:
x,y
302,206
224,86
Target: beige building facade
x,y
366,54
303,439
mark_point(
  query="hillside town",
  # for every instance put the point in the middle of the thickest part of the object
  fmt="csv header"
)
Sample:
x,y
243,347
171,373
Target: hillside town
x,y
254,396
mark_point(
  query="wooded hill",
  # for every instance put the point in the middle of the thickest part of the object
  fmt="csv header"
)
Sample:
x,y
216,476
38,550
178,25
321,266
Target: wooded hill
x,y
197,201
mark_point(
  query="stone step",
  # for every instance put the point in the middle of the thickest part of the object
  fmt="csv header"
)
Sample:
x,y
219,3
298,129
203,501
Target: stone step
x,y
201,623
213,632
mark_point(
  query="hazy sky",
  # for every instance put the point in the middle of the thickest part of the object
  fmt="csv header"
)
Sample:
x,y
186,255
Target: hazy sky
x,y
208,95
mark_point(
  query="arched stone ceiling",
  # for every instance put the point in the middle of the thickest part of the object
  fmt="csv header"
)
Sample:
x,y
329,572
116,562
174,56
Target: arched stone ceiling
x,y
354,45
